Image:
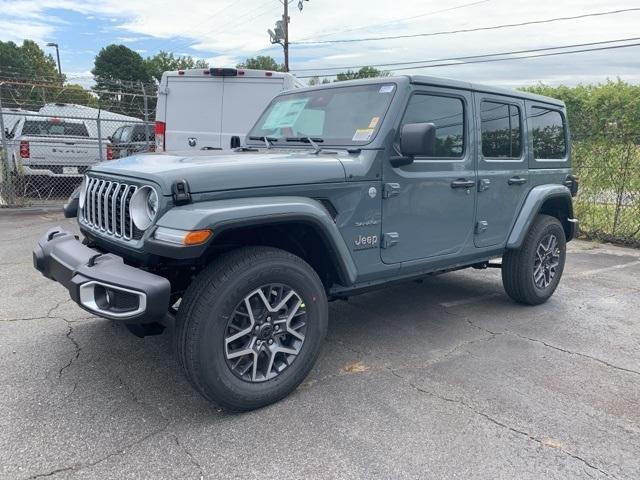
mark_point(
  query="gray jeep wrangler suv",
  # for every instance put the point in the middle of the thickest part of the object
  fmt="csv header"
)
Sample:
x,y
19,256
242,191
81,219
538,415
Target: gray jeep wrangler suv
x,y
338,189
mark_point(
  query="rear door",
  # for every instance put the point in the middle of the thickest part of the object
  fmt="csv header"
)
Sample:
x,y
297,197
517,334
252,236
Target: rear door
x,y
244,100
503,174
193,112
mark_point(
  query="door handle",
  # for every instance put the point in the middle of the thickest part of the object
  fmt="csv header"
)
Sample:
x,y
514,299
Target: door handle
x,y
517,181
462,183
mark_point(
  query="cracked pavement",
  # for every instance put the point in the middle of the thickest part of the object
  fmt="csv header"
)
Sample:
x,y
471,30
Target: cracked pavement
x,y
441,379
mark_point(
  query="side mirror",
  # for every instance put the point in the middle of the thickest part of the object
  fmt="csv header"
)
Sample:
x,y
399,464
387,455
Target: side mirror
x,y
7,134
416,139
110,138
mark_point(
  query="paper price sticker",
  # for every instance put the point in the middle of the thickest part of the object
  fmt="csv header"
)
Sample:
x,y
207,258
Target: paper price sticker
x,y
362,135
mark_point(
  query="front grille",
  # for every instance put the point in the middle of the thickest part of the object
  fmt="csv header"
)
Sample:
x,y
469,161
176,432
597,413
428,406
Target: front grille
x,y
106,208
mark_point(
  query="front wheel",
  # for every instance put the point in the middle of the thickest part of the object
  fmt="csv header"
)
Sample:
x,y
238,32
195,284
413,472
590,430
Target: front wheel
x,y
250,327
531,273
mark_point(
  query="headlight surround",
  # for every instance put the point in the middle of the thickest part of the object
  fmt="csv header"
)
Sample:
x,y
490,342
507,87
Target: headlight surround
x,y
143,207
83,192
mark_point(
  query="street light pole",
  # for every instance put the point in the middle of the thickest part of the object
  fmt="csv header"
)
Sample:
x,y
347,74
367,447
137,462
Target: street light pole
x,y
52,44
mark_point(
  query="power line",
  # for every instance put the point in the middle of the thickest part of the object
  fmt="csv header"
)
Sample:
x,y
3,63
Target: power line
x,y
450,64
468,30
469,57
403,19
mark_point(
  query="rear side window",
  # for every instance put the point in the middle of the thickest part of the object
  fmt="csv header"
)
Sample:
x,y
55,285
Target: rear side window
x,y
501,130
52,128
447,114
549,139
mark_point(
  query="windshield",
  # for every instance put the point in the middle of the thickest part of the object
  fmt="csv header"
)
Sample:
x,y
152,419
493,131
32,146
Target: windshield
x,y
348,115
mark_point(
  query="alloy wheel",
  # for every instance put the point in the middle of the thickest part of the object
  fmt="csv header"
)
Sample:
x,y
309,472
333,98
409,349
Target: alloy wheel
x,y
265,333
546,261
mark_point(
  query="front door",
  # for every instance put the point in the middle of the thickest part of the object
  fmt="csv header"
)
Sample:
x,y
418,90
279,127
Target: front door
x,y
503,171
428,209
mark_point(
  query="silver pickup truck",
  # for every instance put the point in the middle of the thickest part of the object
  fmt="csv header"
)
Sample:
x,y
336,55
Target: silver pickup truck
x,y
53,147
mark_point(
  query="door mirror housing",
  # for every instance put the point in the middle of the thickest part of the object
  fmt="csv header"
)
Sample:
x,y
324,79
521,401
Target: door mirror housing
x,y
416,139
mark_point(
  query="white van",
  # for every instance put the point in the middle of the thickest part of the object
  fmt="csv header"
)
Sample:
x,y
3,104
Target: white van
x,y
213,108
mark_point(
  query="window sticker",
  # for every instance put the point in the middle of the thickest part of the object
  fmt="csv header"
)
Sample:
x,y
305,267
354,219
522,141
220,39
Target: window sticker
x,y
386,88
362,135
374,122
285,114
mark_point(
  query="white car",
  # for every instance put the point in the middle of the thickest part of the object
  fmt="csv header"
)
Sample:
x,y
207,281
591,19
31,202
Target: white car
x,y
213,108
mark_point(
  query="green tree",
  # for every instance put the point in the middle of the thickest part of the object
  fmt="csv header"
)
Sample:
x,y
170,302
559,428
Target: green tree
x,y
316,81
118,72
165,61
364,72
262,62
20,68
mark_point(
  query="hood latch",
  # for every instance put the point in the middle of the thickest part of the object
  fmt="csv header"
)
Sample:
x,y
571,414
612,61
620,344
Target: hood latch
x,y
181,192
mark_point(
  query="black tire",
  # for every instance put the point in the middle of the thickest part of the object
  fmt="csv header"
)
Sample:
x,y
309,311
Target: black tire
x,y
211,302
518,266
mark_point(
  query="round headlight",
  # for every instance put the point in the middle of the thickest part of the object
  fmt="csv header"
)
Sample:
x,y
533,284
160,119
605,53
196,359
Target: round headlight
x,y
83,192
144,207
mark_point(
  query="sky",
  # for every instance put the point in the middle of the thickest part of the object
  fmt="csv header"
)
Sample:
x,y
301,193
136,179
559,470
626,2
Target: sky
x,y
224,32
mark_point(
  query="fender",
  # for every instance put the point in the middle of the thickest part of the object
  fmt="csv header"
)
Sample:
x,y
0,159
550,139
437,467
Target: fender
x,y
222,215
534,201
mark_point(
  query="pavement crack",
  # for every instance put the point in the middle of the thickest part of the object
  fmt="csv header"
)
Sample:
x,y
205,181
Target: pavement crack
x,y
188,453
122,451
500,424
570,352
76,345
55,307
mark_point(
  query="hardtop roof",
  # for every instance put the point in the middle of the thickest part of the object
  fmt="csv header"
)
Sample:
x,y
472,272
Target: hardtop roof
x,y
443,82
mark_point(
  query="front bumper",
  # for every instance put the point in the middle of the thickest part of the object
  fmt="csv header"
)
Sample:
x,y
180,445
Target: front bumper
x,y
101,283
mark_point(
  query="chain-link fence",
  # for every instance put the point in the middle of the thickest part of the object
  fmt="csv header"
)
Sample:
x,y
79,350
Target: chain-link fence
x,y
51,134
608,202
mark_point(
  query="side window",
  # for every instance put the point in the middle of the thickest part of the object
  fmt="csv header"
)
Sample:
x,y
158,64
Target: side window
x,y
501,130
138,134
125,135
549,139
447,114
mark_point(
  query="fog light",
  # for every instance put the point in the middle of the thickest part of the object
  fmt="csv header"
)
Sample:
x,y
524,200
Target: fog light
x,y
112,301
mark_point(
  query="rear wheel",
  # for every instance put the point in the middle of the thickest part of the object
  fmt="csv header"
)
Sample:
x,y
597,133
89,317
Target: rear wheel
x,y
531,273
250,327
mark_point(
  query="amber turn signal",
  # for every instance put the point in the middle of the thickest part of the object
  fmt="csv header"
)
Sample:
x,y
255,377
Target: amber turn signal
x,y
197,237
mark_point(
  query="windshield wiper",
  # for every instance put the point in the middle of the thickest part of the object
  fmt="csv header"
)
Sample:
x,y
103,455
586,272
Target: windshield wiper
x,y
268,141
310,140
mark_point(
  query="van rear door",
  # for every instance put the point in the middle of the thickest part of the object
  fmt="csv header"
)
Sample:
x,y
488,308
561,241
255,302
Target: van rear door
x,y
193,112
245,98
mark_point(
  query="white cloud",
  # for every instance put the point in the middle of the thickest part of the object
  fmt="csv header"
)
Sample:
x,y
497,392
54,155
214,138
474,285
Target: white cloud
x,y
228,31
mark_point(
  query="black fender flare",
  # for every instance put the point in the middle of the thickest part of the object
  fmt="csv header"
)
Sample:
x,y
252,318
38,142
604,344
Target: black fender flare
x,y
531,207
223,215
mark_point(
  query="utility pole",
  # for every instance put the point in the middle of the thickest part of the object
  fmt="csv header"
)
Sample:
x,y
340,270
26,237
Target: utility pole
x,y
285,27
280,34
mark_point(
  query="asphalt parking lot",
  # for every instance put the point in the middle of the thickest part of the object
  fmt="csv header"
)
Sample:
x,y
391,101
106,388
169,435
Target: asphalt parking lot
x,y
442,379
